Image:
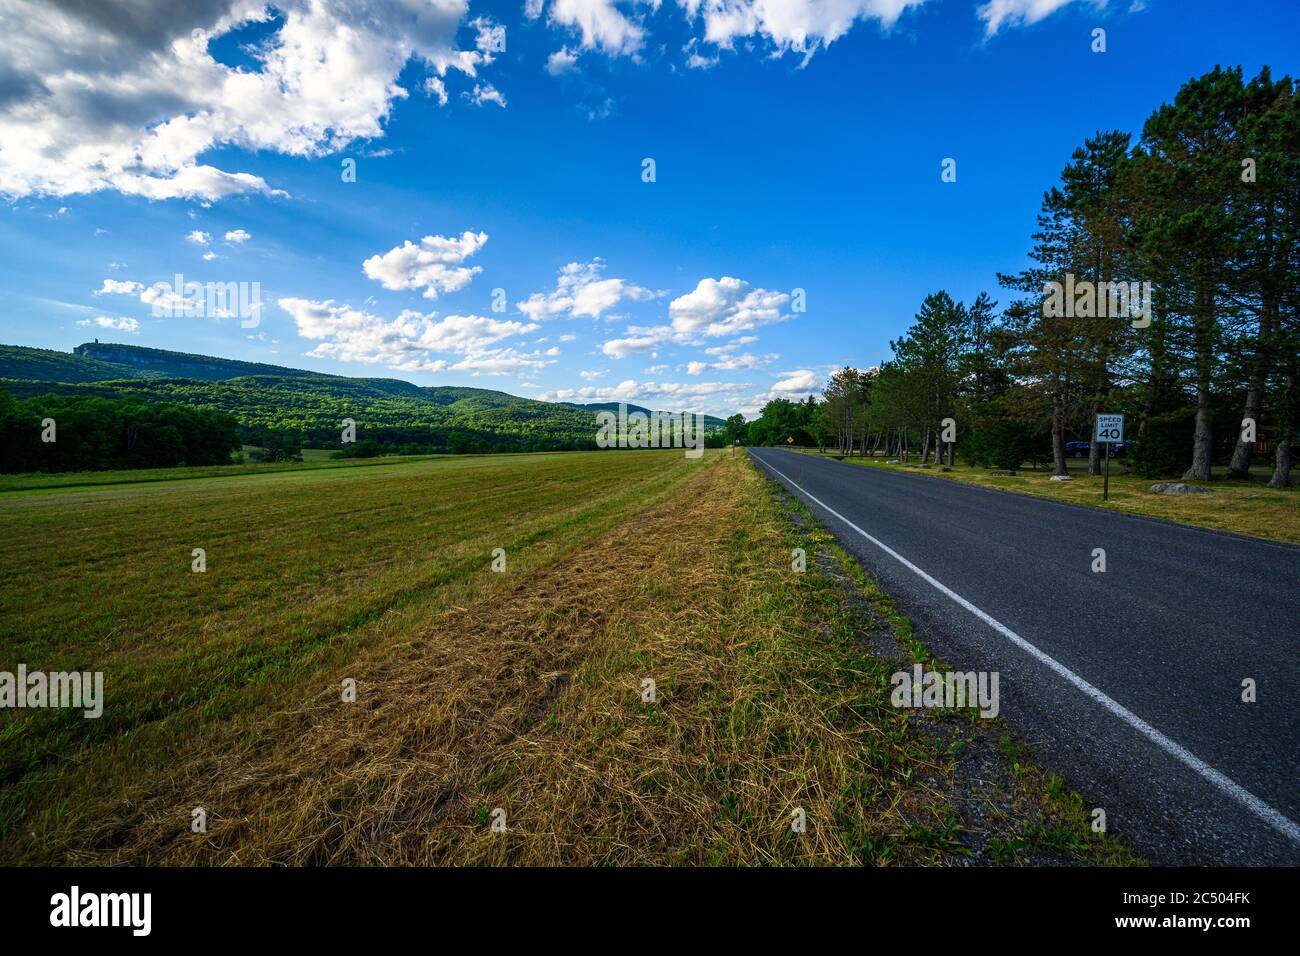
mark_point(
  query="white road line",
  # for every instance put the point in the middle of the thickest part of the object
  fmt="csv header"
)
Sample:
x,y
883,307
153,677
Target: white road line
x,y
1225,785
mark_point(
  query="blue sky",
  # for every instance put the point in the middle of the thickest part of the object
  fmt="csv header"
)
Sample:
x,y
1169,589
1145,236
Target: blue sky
x,y
142,150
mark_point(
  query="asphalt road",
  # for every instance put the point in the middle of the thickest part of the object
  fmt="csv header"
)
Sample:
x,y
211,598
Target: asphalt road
x,y
1128,683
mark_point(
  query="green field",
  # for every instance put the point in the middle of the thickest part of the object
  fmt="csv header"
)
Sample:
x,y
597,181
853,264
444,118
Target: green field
x,y
476,690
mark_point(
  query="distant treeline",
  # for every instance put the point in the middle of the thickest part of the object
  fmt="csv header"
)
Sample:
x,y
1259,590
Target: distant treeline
x,y
1164,283
133,425
56,433
285,414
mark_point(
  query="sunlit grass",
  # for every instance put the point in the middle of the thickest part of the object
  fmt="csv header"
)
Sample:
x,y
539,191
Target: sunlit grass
x,y
478,691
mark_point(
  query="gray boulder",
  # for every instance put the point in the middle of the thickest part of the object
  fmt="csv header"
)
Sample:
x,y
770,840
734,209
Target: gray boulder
x,y
1180,488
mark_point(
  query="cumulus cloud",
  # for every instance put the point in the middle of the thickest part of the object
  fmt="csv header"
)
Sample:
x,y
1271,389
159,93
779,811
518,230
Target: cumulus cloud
x,y
107,322
435,265
437,88
127,97
561,61
715,308
999,13
237,235
639,339
598,24
503,361
798,25
710,397
796,385
485,93
165,300
725,306
408,341
581,290
199,237
727,362
119,287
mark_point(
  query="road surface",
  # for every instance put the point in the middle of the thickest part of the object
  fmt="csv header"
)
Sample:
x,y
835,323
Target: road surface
x,y
1129,682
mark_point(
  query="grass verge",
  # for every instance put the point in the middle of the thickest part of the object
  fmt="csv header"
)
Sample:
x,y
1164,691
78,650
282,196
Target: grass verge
x,y
1243,507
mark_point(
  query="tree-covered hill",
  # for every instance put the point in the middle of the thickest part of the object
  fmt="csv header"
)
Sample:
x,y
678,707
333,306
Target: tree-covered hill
x,y
45,365
711,423
276,405
159,363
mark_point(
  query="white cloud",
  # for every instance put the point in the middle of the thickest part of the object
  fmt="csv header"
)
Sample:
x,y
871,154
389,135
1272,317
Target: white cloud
x,y
106,322
592,375
354,335
237,235
486,30
732,345
600,25
167,301
731,363
504,361
199,237
468,333
436,87
126,97
710,397
999,13
561,61
638,339
798,25
435,265
580,291
696,60
485,93
210,255
725,306
119,287
797,385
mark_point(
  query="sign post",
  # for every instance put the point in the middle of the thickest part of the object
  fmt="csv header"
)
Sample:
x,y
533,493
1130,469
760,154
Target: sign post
x,y
1110,431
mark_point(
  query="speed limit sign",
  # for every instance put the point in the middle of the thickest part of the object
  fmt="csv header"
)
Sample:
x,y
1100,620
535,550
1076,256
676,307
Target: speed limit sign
x,y
1110,429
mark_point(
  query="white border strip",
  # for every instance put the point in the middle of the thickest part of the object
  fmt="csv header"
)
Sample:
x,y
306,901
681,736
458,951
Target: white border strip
x,y
1225,785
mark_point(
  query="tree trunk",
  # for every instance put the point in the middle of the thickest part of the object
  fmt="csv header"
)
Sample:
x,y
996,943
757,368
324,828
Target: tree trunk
x,y
1239,467
1094,447
1281,465
1058,437
1285,429
1203,442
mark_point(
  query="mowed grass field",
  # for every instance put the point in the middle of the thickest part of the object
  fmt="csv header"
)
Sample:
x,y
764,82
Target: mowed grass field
x,y
1244,507
514,698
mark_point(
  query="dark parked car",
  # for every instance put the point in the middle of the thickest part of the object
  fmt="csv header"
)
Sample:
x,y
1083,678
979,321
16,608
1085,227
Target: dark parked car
x,y
1079,449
